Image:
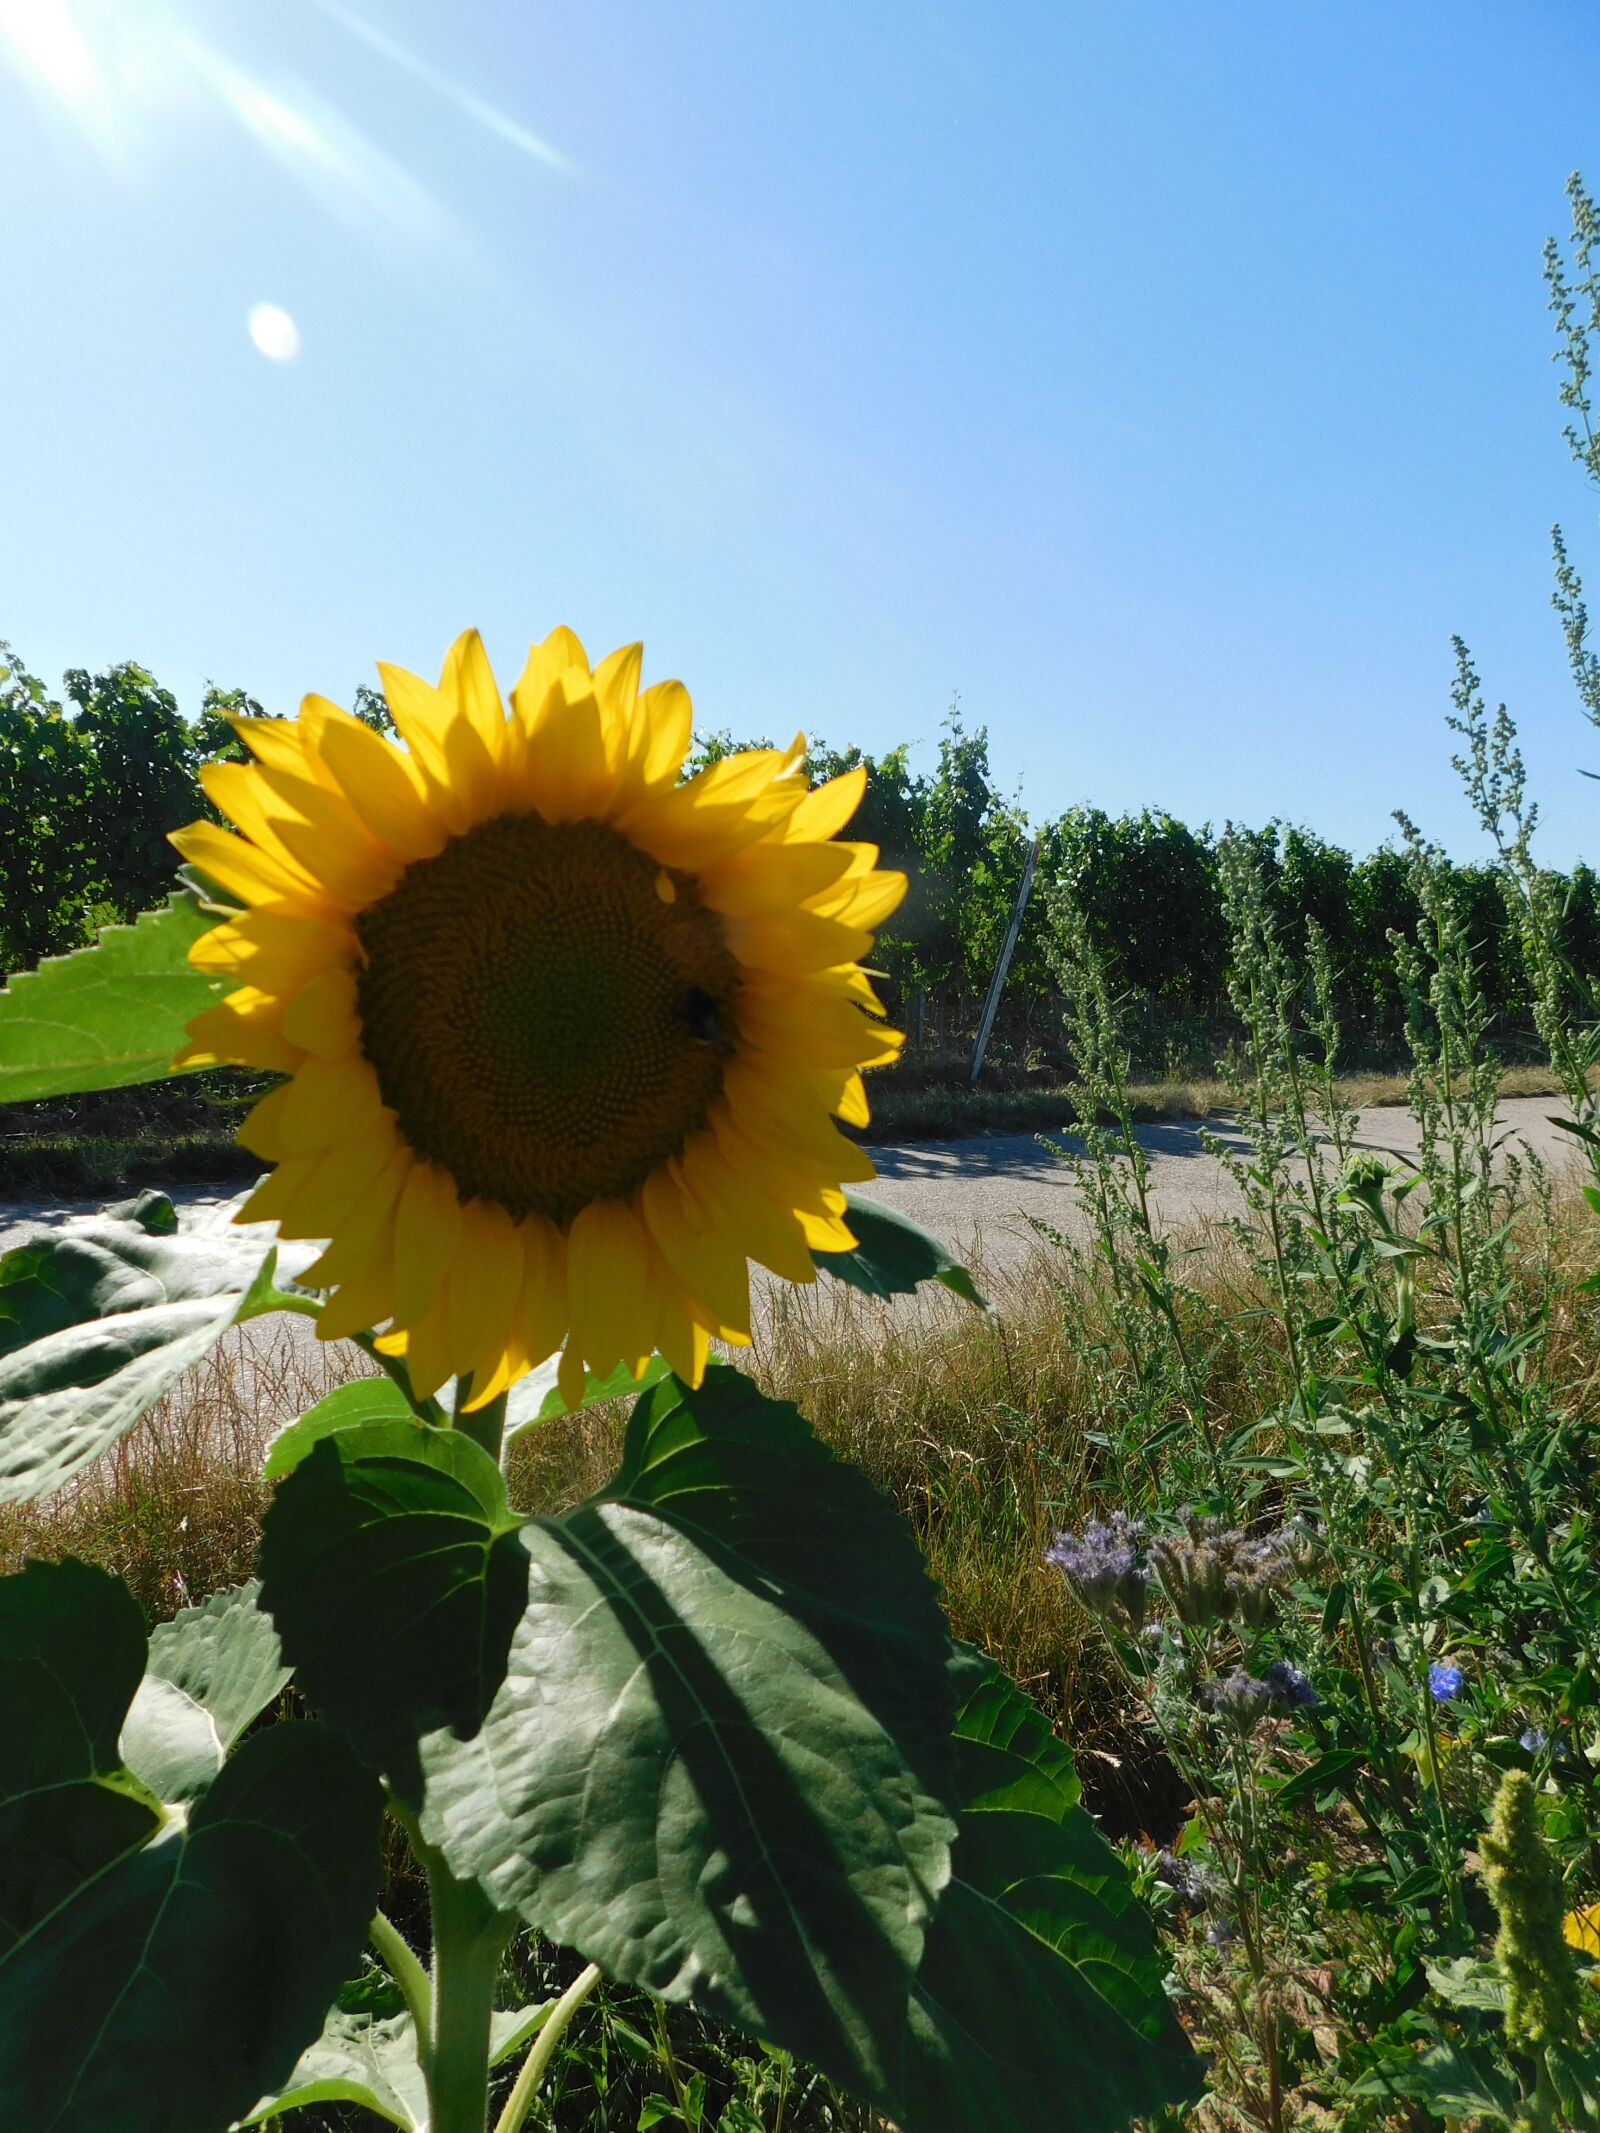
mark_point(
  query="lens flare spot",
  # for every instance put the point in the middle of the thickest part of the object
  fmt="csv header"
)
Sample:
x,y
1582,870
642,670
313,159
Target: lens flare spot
x,y
274,332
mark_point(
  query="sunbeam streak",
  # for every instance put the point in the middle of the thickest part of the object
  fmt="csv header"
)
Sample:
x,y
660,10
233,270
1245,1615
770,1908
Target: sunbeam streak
x,y
483,114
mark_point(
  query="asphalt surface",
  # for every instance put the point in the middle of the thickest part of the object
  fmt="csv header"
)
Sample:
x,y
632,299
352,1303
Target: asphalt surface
x,y
977,1196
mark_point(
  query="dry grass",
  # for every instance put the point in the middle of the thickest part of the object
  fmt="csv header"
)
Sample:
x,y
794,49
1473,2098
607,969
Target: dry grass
x,y
174,1509
907,1111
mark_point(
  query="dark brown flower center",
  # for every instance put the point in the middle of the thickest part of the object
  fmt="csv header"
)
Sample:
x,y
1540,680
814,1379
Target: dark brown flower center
x,y
548,1011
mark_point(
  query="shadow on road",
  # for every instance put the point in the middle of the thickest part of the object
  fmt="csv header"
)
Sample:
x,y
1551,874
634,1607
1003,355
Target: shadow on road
x,y
1019,1155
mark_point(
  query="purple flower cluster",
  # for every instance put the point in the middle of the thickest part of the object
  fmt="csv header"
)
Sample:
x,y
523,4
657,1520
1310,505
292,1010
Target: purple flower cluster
x,y
1210,1574
1242,1700
1103,1565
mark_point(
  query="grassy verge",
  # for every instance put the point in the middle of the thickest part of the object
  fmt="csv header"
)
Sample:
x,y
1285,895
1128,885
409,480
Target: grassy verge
x,y
912,1112
990,1434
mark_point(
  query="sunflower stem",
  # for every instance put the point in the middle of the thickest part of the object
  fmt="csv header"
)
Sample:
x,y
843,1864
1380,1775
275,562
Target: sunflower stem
x,y
485,1425
469,1937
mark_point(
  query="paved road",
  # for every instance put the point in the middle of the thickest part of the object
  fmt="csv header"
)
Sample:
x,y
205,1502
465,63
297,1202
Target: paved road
x,y
978,1195
970,1193
975,1195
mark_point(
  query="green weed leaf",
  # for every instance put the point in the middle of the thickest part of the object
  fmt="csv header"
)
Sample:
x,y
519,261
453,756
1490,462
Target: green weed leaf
x,y
720,1761
106,1016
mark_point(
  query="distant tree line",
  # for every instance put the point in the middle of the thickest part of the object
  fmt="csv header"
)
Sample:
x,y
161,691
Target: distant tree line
x,y
92,781
90,784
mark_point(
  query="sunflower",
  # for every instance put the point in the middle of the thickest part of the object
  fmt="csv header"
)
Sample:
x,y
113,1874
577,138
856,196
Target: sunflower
x,y
565,1033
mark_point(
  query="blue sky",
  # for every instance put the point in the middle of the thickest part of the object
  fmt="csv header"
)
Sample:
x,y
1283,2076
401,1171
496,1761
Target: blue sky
x,y
1171,380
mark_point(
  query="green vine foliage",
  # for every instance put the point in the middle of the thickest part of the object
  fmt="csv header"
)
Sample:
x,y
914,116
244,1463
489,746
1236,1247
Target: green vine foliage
x,y
92,780
708,1731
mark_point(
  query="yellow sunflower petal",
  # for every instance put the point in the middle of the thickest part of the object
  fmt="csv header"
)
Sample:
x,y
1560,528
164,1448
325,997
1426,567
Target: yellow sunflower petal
x,y
261,1131
725,808
427,1351
607,1281
357,1305
380,788
683,1341
244,869
341,1178
570,1374
616,689
274,1192
541,1314
245,1029
705,1259
323,837
825,1233
272,947
365,1239
768,1233
765,878
850,1103
328,1100
485,1284
826,808
796,941
423,719
321,1017
863,901
560,653
568,762
427,1232
279,741
663,732
469,680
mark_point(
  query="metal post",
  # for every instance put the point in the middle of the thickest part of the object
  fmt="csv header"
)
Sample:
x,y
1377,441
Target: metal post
x,y
991,1006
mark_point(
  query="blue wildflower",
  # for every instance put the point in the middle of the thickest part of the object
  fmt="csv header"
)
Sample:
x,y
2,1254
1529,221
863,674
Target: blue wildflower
x,y
1533,1739
1291,1691
1445,1681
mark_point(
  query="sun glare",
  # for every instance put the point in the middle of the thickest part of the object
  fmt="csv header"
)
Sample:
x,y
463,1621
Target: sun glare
x,y
52,52
49,44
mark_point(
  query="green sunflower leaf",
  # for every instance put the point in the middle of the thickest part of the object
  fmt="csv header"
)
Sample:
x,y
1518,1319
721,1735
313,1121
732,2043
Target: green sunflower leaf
x,y
893,1255
210,1671
346,1407
72,1647
358,2060
131,1927
366,2060
109,1015
395,1571
96,1322
537,1397
719,1765
1041,1978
